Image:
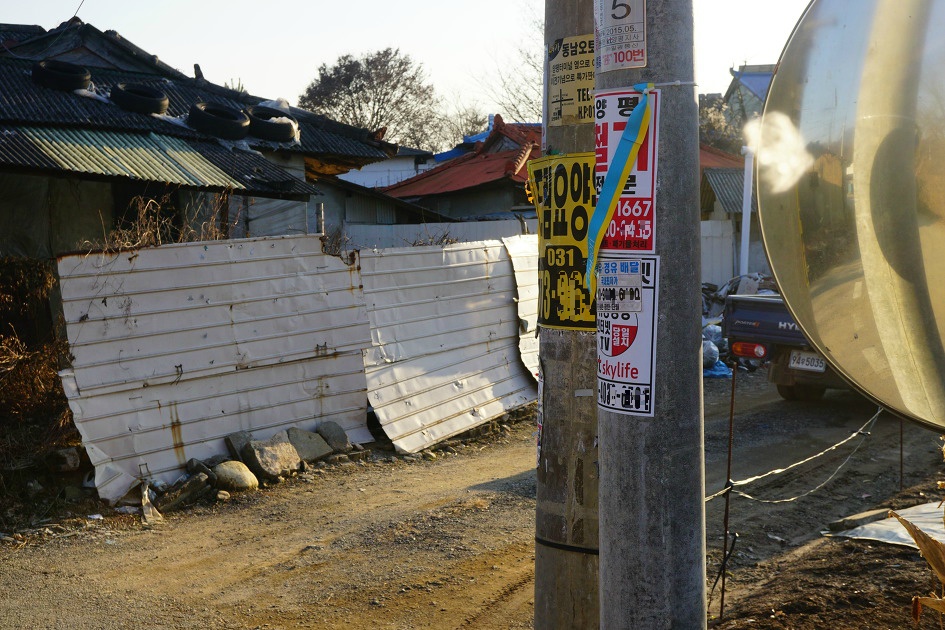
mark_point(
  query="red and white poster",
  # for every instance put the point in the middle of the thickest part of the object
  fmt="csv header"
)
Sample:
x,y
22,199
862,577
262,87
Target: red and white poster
x,y
626,334
633,228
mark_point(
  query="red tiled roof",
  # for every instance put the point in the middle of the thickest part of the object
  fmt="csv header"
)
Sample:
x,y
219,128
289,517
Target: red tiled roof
x,y
521,134
479,167
710,157
469,171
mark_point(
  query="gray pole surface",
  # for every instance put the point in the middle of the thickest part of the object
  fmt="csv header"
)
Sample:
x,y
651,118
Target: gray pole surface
x,y
652,526
566,546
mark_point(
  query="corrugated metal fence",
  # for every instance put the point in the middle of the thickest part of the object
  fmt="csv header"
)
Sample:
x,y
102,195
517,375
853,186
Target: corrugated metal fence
x,y
176,347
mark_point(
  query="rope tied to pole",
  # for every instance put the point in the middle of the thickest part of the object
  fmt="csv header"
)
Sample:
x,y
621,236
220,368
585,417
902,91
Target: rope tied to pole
x,y
731,486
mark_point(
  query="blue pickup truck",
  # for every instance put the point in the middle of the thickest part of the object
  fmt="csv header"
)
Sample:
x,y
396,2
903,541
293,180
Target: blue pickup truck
x,y
760,326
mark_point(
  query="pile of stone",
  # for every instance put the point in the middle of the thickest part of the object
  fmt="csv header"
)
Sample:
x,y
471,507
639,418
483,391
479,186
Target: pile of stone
x,y
251,462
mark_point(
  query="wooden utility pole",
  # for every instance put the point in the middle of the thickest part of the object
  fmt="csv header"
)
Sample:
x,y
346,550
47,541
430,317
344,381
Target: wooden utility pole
x,y
566,541
652,526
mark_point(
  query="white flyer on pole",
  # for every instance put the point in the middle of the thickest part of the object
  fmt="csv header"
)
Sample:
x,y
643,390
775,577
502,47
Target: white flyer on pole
x,y
627,297
620,34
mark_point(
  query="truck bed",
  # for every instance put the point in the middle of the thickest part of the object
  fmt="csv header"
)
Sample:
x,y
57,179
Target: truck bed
x,y
798,370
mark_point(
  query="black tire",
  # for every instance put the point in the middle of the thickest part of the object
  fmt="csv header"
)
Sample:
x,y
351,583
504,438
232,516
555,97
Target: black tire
x,y
262,125
802,391
140,98
218,120
61,75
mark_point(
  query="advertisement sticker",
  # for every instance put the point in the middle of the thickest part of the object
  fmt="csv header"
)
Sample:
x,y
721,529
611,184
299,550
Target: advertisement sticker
x,y
564,196
627,296
632,228
620,31
570,81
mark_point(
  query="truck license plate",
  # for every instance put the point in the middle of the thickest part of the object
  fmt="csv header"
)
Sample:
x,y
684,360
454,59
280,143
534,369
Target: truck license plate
x,y
807,361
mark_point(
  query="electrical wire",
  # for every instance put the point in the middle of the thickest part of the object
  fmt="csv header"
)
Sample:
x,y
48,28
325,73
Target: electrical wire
x,y
51,44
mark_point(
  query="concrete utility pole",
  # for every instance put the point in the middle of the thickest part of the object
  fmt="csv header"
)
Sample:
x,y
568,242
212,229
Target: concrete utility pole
x,y
652,526
566,542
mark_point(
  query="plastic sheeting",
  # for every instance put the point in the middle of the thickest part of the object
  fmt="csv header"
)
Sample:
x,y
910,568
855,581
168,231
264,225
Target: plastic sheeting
x,y
927,517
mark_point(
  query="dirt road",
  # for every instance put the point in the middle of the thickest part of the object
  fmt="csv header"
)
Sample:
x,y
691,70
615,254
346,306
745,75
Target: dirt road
x,y
444,543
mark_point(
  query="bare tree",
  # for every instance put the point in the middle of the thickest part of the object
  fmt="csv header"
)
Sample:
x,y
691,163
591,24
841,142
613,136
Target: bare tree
x,y
719,127
383,89
461,120
517,84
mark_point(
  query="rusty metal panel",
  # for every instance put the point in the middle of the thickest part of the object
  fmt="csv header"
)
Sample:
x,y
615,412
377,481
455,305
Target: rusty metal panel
x,y
178,346
444,353
524,253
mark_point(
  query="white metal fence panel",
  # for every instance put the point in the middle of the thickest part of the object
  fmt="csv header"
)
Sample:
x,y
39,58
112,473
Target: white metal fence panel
x,y
524,253
176,347
445,334
403,235
718,251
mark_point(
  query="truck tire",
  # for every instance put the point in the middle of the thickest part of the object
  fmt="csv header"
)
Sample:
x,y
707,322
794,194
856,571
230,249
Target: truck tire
x,y
801,391
61,75
219,120
271,124
140,98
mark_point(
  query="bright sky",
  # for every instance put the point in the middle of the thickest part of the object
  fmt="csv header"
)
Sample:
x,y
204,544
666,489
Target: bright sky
x,y
275,48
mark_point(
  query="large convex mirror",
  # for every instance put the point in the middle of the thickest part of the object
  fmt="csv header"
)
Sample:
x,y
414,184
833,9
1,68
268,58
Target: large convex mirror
x,y
851,184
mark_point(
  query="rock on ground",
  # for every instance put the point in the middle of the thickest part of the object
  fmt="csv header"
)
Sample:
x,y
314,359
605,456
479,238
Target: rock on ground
x,y
235,477
335,436
272,458
311,447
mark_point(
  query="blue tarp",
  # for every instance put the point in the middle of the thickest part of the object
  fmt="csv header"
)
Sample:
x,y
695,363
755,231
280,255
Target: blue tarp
x,y
719,370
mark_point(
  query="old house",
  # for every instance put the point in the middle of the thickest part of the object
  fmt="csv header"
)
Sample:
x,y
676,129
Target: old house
x,y
487,181
407,163
90,122
747,91
721,194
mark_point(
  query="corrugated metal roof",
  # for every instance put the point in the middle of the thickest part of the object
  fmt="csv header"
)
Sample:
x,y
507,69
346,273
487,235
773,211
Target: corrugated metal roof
x,y
22,101
727,184
146,157
445,340
710,157
178,346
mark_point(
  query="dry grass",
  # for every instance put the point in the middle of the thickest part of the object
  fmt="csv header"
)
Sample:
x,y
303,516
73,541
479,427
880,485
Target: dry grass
x,y
34,414
436,238
154,226
335,243
24,283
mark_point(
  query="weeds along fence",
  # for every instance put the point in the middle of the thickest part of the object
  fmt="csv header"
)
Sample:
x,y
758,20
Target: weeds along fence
x,y
175,347
33,413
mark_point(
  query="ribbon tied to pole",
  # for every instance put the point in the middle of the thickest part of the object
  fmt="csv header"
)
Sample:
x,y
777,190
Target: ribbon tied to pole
x,y
623,161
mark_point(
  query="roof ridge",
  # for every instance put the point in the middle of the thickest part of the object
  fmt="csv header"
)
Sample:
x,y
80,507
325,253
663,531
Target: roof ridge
x,y
516,163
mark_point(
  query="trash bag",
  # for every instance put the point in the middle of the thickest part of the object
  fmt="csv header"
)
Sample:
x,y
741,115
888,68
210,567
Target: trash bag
x,y
710,353
713,333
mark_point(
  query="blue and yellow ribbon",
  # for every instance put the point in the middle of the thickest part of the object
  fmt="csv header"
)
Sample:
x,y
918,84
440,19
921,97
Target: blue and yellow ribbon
x,y
623,161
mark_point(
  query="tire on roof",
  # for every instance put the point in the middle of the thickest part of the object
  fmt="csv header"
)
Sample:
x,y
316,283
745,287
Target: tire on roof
x,y
272,124
219,120
140,98
61,75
